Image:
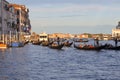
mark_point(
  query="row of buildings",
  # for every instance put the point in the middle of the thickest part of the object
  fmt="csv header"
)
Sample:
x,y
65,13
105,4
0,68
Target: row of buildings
x,y
84,35
14,21
35,37
101,36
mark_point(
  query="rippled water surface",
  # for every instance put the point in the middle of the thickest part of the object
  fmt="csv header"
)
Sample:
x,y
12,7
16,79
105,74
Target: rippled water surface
x,y
42,63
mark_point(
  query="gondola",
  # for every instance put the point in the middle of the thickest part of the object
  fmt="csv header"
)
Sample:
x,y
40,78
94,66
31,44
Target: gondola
x,y
88,47
56,46
81,40
36,43
46,43
26,42
16,44
111,47
68,44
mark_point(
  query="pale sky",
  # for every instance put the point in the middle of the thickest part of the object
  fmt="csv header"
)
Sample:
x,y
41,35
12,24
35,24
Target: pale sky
x,y
72,16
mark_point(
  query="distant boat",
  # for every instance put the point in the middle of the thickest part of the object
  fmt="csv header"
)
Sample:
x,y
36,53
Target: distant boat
x,y
111,47
36,43
17,44
56,46
3,46
81,40
26,42
46,43
88,47
68,44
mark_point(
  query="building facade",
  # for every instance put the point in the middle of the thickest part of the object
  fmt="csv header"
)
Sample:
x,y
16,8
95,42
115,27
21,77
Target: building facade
x,y
116,31
23,21
14,20
4,20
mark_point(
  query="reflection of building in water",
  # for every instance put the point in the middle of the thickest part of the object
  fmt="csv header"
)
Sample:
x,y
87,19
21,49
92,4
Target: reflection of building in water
x,y
116,31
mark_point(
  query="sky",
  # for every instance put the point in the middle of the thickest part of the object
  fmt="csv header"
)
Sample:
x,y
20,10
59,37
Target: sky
x,y
72,16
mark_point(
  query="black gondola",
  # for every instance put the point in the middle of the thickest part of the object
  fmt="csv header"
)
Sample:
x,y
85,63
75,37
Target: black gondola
x,y
81,40
46,43
68,44
26,42
36,43
111,47
56,46
88,47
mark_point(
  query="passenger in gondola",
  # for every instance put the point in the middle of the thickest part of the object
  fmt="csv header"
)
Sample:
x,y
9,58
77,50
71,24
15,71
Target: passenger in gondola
x,y
67,42
116,41
58,40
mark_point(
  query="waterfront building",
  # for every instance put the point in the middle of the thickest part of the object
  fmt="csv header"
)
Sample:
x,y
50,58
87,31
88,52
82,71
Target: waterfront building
x,y
12,23
4,11
99,36
116,31
83,35
23,21
61,35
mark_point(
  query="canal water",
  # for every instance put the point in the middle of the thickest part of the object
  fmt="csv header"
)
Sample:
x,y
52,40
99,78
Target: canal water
x,y
33,62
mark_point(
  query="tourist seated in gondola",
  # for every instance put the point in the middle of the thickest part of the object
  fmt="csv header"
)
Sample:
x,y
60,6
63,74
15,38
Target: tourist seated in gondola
x,y
91,46
54,44
81,46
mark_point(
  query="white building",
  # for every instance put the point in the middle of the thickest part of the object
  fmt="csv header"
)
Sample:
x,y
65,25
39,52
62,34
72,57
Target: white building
x,y
43,37
116,31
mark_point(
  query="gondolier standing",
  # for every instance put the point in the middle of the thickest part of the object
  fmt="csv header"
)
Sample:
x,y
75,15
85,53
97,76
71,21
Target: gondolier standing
x,y
115,42
58,40
97,41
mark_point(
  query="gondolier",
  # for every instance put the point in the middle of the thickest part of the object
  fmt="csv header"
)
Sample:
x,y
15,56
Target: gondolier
x,y
58,40
97,41
116,41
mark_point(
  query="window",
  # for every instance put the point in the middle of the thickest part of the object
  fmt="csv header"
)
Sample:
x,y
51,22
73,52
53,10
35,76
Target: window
x,y
6,7
18,12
